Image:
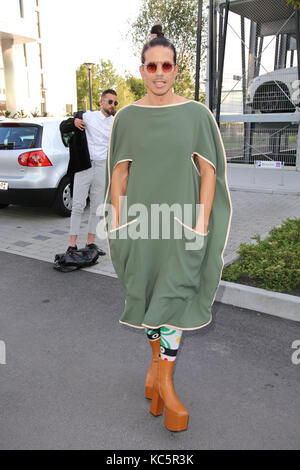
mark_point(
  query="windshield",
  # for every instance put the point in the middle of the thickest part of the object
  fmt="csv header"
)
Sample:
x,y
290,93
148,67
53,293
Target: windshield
x,y
18,136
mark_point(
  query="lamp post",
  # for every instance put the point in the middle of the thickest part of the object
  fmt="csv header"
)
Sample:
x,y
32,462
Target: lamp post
x,y
198,52
89,66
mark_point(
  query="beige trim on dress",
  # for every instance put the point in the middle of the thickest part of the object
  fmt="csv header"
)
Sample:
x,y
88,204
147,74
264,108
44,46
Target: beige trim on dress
x,y
191,229
162,106
122,226
201,156
195,166
121,161
168,326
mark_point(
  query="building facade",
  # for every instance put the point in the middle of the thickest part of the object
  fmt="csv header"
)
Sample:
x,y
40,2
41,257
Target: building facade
x,y
25,81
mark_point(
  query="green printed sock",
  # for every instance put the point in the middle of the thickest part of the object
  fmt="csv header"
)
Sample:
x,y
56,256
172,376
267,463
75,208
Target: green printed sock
x,y
169,343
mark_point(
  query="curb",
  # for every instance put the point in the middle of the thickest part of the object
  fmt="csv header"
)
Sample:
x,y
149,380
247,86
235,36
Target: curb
x,y
264,301
250,189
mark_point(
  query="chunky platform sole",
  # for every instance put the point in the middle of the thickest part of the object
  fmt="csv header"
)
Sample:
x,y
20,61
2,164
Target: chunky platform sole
x,y
157,404
173,420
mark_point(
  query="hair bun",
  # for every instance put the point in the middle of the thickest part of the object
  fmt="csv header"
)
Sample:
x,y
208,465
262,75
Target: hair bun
x,y
157,29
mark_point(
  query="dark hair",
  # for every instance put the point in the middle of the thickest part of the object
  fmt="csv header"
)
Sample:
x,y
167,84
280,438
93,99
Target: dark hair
x,y
109,91
160,40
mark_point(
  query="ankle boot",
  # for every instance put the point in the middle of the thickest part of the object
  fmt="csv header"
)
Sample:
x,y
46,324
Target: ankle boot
x,y
176,415
153,369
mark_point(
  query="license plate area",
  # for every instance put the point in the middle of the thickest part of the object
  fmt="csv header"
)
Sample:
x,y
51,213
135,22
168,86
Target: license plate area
x,y
3,185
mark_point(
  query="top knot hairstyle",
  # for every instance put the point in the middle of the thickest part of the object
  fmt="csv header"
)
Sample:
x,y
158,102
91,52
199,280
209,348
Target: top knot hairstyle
x,y
157,31
158,40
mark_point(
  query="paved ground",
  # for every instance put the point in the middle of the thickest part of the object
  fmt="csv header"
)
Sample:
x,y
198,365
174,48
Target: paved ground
x,y
74,376
264,179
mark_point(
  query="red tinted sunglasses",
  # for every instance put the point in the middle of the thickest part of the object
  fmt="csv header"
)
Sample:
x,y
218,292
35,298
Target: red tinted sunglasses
x,y
152,67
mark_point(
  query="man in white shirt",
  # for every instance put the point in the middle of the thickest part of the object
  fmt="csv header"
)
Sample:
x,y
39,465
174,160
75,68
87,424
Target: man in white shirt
x,y
91,181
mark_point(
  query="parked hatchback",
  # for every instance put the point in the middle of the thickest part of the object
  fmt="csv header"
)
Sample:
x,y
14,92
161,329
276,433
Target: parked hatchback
x,y
33,165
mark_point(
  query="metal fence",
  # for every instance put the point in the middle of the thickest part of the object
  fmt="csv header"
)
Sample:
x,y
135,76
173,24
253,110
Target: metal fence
x,y
246,143
253,55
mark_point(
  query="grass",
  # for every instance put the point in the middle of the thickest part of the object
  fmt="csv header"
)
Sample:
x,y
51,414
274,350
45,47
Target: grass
x,y
271,264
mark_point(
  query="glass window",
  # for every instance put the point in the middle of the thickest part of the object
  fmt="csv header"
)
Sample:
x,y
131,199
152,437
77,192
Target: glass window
x,y
17,136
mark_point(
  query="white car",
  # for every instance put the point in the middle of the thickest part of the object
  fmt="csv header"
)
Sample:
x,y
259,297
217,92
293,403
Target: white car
x,y
34,159
275,92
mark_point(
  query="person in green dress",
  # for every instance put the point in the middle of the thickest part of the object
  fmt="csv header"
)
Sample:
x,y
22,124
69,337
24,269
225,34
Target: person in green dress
x,y
167,218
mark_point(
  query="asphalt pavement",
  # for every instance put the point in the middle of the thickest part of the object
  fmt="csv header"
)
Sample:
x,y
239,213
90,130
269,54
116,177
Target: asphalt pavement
x,y
74,377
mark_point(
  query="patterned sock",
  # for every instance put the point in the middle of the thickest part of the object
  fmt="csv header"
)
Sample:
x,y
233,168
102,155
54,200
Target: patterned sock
x,y
153,334
169,343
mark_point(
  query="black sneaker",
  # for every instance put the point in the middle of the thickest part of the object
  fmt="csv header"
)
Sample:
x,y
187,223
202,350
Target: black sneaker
x,y
71,249
93,246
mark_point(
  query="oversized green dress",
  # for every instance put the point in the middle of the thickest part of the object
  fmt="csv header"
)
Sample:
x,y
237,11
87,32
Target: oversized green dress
x,y
165,283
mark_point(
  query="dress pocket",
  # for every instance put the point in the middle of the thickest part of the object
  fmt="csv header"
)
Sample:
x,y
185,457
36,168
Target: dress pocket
x,y
188,253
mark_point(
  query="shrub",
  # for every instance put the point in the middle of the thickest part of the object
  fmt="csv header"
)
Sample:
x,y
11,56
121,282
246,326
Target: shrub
x,y
274,263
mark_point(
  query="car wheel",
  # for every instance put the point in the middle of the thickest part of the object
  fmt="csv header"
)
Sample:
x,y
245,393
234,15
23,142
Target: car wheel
x,y
2,206
63,201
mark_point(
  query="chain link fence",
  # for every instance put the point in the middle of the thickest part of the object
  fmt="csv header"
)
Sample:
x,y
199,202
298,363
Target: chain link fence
x,y
260,76
259,143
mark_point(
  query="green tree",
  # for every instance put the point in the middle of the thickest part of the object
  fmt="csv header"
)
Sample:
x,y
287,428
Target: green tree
x,y
179,23
82,82
124,92
106,77
137,86
295,3
103,77
185,86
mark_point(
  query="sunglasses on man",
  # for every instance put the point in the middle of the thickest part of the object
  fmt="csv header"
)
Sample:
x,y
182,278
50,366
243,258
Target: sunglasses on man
x,y
112,102
151,67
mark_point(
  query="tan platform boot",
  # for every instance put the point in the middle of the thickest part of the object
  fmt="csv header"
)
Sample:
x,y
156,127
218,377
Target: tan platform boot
x,y
176,415
153,369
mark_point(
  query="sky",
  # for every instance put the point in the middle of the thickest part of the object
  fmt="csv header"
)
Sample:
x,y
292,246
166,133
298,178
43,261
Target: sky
x,y
80,31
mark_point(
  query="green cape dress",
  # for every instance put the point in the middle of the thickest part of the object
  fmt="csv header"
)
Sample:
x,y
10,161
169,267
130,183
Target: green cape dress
x,y
165,283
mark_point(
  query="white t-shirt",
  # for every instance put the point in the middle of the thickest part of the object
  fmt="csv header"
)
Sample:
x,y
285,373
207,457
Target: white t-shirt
x,y
97,130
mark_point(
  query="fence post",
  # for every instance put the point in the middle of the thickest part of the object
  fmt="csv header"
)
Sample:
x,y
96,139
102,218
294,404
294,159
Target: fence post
x,y
298,150
2,353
